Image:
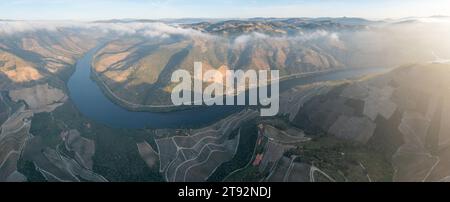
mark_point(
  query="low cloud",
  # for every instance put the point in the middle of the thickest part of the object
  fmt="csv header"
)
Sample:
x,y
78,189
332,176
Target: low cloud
x,y
385,44
143,29
300,37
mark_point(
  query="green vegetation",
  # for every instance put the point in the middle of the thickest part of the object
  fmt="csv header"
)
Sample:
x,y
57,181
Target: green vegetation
x,y
116,156
247,174
247,140
117,159
7,106
4,110
343,160
28,169
250,173
45,126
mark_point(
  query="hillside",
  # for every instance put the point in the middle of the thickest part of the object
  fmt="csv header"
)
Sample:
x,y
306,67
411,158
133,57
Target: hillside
x,y
40,56
400,115
138,65
384,127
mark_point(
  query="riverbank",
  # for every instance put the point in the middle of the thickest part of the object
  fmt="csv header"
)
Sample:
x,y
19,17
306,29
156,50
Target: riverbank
x,y
286,83
132,106
93,100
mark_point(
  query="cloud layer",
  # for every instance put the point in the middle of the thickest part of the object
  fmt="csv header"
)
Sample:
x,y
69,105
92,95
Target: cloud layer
x,y
155,29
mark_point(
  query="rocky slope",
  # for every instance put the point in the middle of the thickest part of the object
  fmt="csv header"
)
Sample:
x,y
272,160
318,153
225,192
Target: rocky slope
x,y
34,64
137,66
39,56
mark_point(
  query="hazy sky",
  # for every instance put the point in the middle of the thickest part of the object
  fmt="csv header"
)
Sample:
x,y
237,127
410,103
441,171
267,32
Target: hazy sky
x,y
154,9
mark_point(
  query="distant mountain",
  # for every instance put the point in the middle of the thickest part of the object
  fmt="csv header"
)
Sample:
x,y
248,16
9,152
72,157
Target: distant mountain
x,y
279,26
410,20
126,21
167,20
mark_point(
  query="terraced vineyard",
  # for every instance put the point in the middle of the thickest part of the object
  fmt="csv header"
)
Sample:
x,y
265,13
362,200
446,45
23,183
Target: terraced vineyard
x,y
333,124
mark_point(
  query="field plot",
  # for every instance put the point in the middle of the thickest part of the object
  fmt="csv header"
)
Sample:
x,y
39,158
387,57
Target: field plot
x,y
444,132
195,156
279,173
413,162
71,162
289,136
287,170
148,154
4,109
273,152
40,98
299,172
359,129
321,112
82,148
292,100
278,141
269,162
14,134
423,103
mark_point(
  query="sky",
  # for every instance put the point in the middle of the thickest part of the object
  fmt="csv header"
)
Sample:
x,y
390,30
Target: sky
x,y
157,9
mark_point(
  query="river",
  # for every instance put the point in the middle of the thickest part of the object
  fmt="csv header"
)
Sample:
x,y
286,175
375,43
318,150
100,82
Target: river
x,y
94,104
